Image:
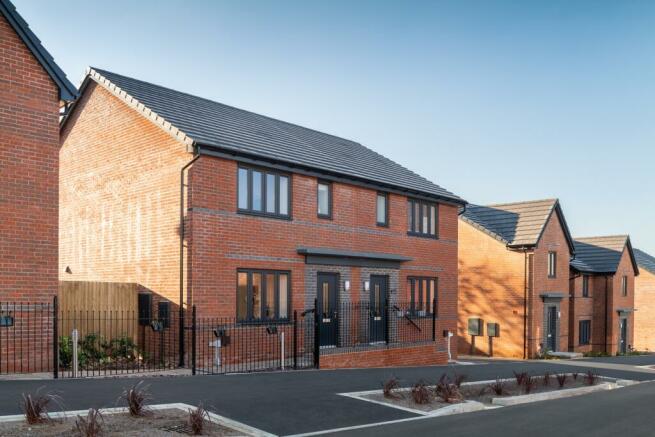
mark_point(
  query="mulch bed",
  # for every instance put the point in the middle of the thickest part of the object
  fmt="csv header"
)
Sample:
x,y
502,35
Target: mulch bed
x,y
171,422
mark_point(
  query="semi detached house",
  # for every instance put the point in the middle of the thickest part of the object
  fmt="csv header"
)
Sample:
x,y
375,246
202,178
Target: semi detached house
x,y
277,219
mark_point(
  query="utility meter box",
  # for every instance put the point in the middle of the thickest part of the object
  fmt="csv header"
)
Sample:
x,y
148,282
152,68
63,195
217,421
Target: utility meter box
x,y
475,327
493,330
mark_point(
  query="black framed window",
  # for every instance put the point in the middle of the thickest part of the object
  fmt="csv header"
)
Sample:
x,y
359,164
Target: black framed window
x,y
262,295
585,286
382,209
422,292
324,199
624,285
263,192
585,331
422,218
552,264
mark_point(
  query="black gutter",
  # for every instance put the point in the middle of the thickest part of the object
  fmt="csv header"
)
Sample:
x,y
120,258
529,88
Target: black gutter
x,y
221,152
181,317
525,304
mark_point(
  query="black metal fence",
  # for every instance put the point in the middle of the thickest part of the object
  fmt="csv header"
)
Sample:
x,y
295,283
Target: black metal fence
x,y
72,344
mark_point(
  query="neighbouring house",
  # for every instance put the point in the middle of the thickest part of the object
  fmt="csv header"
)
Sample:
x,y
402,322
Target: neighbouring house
x,y
33,89
602,295
644,329
277,218
513,279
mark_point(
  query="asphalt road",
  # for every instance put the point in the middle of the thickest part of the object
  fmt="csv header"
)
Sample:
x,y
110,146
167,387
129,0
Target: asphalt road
x,y
307,401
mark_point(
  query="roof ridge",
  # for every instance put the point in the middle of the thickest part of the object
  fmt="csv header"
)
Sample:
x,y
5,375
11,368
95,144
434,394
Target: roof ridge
x,y
552,199
626,236
225,105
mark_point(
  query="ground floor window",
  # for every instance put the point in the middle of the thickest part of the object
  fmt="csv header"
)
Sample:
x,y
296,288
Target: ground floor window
x,y
262,295
585,331
421,293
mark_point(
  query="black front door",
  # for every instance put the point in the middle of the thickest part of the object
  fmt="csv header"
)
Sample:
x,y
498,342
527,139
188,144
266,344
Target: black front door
x,y
327,308
623,335
378,313
551,333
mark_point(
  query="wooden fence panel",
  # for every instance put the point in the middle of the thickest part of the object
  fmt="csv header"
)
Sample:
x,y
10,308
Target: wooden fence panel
x,y
107,309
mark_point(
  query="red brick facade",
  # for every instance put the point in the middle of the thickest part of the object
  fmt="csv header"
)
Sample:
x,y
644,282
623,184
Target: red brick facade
x,y
29,152
493,283
644,332
603,307
119,222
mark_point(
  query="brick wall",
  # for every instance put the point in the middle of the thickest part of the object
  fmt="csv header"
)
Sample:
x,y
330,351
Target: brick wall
x,y
617,301
553,239
29,145
423,355
644,332
491,287
120,196
582,308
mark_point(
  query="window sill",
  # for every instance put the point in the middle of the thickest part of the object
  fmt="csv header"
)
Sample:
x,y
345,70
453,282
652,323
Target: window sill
x,y
324,217
419,235
382,225
264,214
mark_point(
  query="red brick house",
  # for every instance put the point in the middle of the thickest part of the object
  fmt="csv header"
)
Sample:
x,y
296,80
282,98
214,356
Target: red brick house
x,y
275,215
32,91
602,295
644,330
513,279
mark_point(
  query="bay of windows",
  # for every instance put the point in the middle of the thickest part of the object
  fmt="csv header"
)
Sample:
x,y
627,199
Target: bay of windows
x,y
263,192
262,295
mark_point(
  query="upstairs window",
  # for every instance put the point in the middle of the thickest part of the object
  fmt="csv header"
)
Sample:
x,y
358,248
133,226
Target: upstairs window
x,y
263,192
324,199
552,264
422,218
381,210
585,286
624,286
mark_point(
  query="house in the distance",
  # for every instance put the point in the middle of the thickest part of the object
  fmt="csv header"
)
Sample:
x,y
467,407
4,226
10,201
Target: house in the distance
x,y
514,279
602,295
644,330
277,218
32,91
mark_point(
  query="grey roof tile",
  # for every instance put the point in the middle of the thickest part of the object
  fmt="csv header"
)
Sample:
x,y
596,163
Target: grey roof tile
x,y
515,224
67,91
645,261
601,254
213,124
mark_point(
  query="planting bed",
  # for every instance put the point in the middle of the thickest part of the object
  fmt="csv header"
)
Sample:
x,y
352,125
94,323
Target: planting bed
x,y
171,420
474,396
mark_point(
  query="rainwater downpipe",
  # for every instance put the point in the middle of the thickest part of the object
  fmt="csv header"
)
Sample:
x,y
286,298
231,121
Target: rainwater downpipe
x,y
181,316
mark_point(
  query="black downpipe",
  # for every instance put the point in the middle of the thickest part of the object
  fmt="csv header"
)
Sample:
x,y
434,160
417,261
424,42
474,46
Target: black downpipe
x,y
606,311
181,317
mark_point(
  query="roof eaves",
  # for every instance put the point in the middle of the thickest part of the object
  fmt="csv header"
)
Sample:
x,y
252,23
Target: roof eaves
x,y
134,103
633,259
67,90
565,227
228,152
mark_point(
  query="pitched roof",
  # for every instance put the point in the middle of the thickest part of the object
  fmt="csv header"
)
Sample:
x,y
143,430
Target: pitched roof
x,y
67,91
601,254
516,224
645,261
201,122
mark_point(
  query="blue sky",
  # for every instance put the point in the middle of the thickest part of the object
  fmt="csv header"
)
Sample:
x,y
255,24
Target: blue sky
x,y
494,100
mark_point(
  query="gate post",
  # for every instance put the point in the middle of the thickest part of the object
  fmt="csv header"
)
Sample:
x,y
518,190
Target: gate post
x,y
386,321
295,340
193,340
55,338
317,337
434,319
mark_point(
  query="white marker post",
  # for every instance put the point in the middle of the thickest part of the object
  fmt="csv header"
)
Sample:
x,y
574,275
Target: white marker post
x,y
282,340
74,338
